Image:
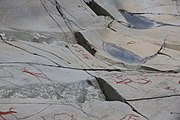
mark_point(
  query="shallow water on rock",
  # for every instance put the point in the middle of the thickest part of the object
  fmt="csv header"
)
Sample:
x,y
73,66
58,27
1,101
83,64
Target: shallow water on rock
x,y
121,53
138,22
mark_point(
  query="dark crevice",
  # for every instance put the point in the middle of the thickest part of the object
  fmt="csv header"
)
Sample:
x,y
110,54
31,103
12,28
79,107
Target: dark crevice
x,y
144,13
173,46
110,25
83,42
60,10
44,4
79,37
144,60
98,9
59,66
161,53
112,95
151,98
177,5
144,69
161,24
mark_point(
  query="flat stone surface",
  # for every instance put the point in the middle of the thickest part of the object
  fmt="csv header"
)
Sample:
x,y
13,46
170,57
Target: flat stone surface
x,y
159,109
89,60
32,109
135,85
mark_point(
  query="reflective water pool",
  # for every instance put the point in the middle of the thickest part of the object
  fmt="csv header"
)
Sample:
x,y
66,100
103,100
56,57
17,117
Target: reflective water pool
x,y
138,22
121,53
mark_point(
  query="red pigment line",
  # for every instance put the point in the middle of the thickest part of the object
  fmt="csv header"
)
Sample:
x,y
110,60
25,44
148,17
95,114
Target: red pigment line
x,y
99,66
131,42
59,114
130,117
78,50
126,81
37,75
145,79
82,7
75,46
170,88
119,77
86,56
43,118
7,112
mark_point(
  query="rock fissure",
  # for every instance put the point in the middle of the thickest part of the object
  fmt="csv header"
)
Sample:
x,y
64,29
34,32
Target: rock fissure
x,y
112,95
152,98
98,9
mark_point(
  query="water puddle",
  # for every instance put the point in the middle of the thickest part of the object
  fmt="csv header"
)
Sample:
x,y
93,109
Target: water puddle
x,y
138,22
121,53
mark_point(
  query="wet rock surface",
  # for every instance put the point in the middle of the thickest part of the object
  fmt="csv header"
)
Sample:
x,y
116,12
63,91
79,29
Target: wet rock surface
x,y
89,60
121,53
138,22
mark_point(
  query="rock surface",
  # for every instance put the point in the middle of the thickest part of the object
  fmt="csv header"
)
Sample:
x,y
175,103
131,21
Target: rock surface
x,y
90,60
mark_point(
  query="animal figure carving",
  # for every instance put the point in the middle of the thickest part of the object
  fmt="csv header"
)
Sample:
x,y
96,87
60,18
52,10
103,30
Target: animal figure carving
x,y
10,112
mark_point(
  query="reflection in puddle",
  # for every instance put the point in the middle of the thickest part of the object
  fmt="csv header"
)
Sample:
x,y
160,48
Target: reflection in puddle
x,y
138,22
121,53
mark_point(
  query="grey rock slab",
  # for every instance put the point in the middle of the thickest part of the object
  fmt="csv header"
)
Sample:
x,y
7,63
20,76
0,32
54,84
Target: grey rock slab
x,y
38,36
154,35
116,111
26,74
129,50
83,55
43,15
159,109
55,57
33,109
136,85
36,51
34,81
28,15
12,54
144,46
72,55
98,36
139,6
110,7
